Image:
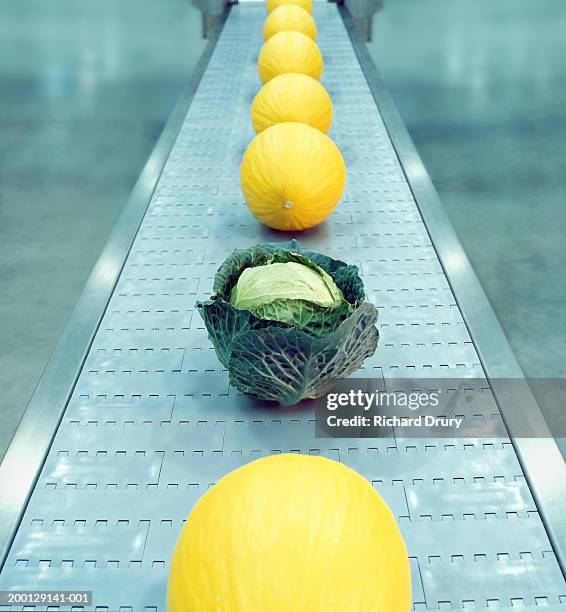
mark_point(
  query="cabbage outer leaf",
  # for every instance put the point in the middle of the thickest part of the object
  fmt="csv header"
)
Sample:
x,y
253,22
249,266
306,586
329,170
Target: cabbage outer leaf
x,y
286,365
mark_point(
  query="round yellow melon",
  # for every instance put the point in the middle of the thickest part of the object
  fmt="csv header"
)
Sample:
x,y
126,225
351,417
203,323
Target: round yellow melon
x,y
271,5
290,533
292,97
292,176
289,17
289,52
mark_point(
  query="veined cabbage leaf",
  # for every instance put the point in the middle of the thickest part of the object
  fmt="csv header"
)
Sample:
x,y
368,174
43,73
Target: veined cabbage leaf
x,y
288,323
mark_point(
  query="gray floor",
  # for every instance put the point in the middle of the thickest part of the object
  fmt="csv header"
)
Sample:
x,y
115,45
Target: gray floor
x,y
85,90
481,87
86,87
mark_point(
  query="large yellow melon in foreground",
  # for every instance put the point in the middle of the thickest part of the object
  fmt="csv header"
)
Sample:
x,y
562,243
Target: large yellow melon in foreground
x,y
289,52
292,176
271,5
292,97
289,17
290,533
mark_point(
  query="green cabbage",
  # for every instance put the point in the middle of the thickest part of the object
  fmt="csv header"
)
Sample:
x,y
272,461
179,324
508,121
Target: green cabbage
x,y
287,323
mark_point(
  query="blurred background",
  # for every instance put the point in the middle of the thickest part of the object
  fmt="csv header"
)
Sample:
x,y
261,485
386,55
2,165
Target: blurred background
x,y
86,88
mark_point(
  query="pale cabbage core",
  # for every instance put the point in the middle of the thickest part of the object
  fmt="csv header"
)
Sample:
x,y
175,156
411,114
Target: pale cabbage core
x,y
291,281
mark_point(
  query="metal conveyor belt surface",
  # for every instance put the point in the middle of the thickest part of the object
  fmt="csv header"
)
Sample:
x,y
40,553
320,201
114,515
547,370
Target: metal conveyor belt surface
x,y
152,421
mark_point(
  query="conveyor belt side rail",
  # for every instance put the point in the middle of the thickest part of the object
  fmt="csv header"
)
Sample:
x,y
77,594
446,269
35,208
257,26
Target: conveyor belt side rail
x,y
30,445
540,456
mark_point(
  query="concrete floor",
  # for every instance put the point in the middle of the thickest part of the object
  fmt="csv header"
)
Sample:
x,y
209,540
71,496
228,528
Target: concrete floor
x,y
481,87
86,89
87,86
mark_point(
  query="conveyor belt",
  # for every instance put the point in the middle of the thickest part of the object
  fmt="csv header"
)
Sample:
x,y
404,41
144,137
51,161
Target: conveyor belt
x,y
152,421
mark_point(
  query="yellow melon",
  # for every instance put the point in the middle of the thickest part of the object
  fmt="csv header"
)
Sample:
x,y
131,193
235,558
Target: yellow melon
x,y
289,52
289,17
290,533
292,176
271,5
292,97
